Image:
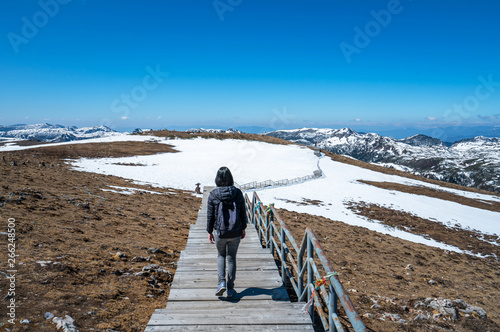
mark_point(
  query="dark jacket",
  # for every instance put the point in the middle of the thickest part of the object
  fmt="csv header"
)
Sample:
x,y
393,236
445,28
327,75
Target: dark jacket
x,y
220,194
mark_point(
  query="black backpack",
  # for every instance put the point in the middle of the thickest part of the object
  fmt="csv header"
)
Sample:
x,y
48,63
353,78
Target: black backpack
x,y
228,220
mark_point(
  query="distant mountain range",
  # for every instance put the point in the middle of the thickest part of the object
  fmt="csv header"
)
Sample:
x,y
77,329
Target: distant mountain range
x,y
473,162
45,132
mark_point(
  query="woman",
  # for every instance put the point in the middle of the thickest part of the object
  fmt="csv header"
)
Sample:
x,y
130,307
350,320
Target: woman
x,y
225,203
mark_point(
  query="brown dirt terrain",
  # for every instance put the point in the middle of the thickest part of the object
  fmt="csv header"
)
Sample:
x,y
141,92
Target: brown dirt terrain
x,y
63,216
466,240
441,194
240,136
373,269
69,232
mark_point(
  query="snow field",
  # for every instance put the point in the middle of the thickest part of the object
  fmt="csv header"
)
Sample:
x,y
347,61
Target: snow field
x,y
199,159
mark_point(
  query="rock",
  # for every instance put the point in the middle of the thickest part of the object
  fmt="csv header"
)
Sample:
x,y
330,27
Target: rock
x,y
67,324
156,251
25,321
48,315
352,290
393,317
432,282
420,317
467,309
141,259
150,268
118,256
409,268
419,304
444,307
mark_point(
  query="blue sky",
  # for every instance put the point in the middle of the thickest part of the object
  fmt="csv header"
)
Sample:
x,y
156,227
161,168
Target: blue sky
x,y
229,63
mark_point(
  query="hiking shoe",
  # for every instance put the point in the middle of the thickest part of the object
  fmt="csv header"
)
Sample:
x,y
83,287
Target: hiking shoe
x,y
230,293
221,289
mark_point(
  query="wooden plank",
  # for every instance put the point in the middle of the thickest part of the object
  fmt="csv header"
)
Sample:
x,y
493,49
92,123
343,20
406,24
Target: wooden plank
x,y
248,269
256,328
207,294
239,257
243,283
228,317
217,304
204,275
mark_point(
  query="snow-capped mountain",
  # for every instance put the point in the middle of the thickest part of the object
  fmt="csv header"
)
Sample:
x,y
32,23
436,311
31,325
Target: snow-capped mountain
x,y
472,162
54,133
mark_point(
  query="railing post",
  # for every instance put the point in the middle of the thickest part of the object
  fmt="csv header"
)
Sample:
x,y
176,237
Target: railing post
x,y
267,230
310,273
253,209
300,278
271,231
332,307
283,256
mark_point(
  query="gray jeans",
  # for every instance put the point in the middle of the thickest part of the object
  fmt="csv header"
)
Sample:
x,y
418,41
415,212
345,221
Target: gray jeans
x,y
226,248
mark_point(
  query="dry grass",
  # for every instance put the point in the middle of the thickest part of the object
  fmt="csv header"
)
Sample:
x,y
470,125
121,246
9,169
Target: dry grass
x,y
64,216
101,150
467,240
424,191
371,267
242,136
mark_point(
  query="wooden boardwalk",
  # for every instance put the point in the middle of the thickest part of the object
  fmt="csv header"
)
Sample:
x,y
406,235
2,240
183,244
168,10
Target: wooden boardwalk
x,y
261,302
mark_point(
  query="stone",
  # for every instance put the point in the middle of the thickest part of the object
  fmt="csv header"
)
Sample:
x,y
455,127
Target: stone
x,y
118,256
467,309
420,317
141,259
156,251
409,268
67,324
25,321
150,268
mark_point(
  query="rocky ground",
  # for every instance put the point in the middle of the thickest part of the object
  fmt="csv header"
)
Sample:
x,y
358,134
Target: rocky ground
x,y
103,258
106,259
397,285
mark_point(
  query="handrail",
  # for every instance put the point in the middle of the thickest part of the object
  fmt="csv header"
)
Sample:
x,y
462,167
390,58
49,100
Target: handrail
x,y
285,182
304,261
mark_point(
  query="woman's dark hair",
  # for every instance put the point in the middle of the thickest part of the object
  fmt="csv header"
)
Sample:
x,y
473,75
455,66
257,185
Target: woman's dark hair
x,y
224,178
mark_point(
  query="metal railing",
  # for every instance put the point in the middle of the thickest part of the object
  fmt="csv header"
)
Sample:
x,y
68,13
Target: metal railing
x,y
299,262
285,182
